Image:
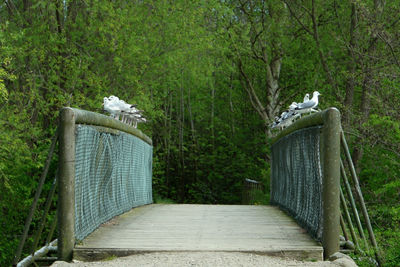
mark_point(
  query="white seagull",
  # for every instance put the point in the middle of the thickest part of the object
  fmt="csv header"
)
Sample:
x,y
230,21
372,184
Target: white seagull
x,y
306,98
275,123
293,106
110,105
130,114
309,105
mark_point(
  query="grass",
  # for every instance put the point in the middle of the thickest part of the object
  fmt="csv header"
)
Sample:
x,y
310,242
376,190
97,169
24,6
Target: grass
x,y
110,258
160,200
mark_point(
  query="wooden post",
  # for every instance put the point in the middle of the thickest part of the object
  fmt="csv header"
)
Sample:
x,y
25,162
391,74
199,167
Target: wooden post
x,y
331,182
66,186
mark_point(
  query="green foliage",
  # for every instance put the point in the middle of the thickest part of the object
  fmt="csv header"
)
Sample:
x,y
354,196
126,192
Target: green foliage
x,y
159,200
110,258
260,198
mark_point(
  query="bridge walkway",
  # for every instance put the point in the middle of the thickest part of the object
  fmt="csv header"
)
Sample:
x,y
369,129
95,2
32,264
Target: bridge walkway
x,y
177,228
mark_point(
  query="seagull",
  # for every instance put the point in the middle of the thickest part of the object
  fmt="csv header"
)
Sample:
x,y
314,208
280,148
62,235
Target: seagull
x,y
110,105
125,109
306,98
113,98
288,118
133,115
130,114
275,123
293,106
309,105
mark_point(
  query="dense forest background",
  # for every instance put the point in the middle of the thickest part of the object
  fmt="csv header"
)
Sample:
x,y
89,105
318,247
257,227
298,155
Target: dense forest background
x,y
211,76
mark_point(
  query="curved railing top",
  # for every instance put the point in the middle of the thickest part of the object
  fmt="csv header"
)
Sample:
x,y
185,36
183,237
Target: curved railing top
x,y
92,118
308,121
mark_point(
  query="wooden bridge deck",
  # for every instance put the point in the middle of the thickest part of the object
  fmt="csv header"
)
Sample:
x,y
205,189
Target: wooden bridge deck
x,y
229,228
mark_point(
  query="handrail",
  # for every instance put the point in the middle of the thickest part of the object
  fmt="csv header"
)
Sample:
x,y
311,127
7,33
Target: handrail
x,y
307,121
249,188
333,135
330,150
92,118
69,117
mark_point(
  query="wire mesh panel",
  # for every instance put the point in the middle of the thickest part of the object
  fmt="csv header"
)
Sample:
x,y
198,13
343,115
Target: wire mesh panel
x,y
250,190
113,173
296,178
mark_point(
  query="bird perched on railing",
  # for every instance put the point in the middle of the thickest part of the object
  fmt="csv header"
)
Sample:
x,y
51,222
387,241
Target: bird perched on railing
x,y
119,108
110,104
308,106
306,98
295,110
293,106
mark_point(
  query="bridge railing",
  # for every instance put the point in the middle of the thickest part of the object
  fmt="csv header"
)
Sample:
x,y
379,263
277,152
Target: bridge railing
x,y
104,170
251,188
305,175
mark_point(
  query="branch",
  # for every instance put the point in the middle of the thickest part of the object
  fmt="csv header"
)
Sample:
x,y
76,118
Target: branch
x,y
297,19
10,11
387,146
338,20
391,49
310,13
321,54
253,47
253,29
252,94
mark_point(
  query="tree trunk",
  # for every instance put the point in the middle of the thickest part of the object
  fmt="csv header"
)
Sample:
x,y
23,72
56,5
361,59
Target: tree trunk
x,y
368,84
231,114
273,91
194,139
181,150
212,113
168,141
350,82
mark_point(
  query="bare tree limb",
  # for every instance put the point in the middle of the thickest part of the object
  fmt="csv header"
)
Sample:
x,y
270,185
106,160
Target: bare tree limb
x,y
297,19
391,49
255,101
320,52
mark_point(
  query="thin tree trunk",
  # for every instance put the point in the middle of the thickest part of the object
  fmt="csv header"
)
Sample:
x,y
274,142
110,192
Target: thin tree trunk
x,y
368,85
212,113
273,91
350,82
365,111
231,106
194,139
181,150
191,118
322,56
169,137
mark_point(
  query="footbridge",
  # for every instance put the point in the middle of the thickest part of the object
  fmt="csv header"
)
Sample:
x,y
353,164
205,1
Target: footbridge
x,y
105,204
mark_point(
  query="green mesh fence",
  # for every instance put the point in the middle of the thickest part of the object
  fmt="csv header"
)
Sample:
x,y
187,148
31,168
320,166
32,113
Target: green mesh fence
x,y
113,173
296,178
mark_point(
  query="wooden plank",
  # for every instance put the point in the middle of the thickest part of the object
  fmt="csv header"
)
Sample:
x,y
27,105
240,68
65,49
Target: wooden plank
x,y
236,228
